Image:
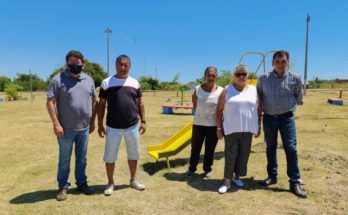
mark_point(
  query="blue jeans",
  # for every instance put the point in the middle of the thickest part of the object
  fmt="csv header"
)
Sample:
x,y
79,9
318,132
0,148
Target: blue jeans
x,y
80,138
285,123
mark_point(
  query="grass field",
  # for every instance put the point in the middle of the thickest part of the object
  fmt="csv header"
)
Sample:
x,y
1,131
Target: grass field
x,y
29,154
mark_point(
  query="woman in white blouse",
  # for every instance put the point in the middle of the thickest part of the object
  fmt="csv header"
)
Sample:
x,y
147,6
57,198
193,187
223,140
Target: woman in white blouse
x,y
238,117
204,99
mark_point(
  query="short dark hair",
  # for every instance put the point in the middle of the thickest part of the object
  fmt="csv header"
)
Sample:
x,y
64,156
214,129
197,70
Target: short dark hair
x,y
282,53
207,69
74,53
122,56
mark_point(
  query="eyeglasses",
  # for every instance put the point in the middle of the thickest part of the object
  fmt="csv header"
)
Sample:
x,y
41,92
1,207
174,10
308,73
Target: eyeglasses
x,y
238,75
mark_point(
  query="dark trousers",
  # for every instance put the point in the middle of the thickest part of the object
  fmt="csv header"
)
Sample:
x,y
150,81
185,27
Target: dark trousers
x,y
202,134
284,123
237,151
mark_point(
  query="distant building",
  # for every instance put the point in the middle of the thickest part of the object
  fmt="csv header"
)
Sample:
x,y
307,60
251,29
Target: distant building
x,y
341,80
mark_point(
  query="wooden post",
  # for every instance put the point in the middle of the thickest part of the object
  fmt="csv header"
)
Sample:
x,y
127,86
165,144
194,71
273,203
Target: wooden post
x,y
340,94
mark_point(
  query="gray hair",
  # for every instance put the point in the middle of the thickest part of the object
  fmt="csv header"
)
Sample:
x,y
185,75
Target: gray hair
x,y
240,67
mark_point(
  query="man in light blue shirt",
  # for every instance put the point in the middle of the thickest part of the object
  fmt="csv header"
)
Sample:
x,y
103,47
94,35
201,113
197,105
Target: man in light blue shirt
x,y
280,92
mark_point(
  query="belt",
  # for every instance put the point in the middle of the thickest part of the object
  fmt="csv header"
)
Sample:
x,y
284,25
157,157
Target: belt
x,y
287,114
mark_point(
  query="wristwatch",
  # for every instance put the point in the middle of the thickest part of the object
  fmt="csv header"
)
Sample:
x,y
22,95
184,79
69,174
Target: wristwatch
x,y
143,121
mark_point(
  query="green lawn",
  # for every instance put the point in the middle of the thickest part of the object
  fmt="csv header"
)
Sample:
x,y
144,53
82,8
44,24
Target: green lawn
x,y
29,154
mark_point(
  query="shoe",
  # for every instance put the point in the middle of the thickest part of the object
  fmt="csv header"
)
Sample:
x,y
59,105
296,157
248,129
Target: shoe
x,y
238,182
109,189
189,173
85,189
223,189
208,175
136,185
297,190
62,194
268,182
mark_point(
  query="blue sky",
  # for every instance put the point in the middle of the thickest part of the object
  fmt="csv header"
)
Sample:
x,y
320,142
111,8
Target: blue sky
x,y
176,37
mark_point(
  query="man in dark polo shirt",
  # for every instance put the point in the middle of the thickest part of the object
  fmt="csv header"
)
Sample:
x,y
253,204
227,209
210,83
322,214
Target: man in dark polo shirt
x,y
125,118
71,105
280,92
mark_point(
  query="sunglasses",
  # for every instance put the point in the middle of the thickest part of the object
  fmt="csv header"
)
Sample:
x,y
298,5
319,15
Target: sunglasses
x,y
238,75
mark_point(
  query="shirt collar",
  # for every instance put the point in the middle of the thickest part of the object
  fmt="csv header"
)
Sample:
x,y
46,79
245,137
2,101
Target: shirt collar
x,y
286,74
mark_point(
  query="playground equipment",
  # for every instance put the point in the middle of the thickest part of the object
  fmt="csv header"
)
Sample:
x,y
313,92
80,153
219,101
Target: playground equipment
x,y
172,145
335,101
182,138
263,62
168,109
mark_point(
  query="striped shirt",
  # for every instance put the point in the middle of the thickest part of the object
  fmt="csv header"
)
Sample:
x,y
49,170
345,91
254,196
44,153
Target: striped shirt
x,y
122,98
279,96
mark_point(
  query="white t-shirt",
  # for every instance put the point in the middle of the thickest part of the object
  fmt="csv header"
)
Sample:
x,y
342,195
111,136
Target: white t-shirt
x,y
240,111
206,106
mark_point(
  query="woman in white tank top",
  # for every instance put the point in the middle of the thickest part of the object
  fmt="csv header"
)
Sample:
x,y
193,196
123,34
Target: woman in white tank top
x,y
238,117
204,101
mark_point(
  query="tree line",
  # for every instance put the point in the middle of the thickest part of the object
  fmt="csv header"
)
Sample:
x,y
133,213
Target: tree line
x,y
22,81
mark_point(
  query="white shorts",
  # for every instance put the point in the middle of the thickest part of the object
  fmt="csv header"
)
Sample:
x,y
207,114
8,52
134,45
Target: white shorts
x,y
113,140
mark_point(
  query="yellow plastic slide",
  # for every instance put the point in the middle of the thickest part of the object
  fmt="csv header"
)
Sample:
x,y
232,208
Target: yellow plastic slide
x,y
252,82
172,145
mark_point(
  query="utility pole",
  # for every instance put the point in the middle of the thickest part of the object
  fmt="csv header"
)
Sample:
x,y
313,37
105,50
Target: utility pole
x,y
306,57
108,31
31,87
156,72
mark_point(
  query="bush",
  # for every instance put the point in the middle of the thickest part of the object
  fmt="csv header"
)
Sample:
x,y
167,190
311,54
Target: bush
x,y
11,91
23,80
3,82
92,69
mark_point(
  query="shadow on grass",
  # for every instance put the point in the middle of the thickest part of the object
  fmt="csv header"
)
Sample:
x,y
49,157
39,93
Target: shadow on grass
x,y
181,114
197,181
43,195
152,167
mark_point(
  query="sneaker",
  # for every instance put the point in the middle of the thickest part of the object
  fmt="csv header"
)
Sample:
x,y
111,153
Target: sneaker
x,y
223,189
62,194
109,189
208,175
136,185
238,182
268,181
189,173
85,189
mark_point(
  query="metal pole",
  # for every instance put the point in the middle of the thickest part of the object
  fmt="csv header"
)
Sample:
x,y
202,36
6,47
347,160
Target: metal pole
x,y
31,86
259,53
306,57
264,64
264,61
108,31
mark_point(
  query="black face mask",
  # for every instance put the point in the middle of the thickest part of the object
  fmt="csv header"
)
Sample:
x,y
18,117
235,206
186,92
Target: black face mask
x,y
75,68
